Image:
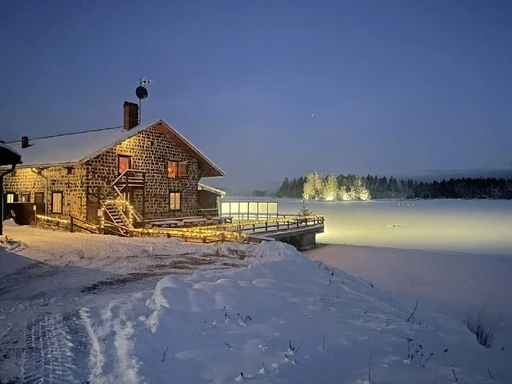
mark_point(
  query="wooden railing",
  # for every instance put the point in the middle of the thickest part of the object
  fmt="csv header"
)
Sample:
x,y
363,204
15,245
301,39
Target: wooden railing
x,y
75,222
206,234
129,178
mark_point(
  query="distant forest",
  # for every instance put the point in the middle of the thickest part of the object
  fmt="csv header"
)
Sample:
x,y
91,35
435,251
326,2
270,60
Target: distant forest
x,y
352,187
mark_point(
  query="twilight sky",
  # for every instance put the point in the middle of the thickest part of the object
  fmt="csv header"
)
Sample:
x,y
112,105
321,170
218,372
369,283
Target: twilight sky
x,y
272,88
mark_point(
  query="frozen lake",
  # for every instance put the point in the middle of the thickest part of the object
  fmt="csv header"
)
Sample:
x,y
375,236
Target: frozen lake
x,y
455,256
481,227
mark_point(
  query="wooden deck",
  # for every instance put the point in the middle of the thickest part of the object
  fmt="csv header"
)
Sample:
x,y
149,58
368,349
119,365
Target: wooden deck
x,y
296,230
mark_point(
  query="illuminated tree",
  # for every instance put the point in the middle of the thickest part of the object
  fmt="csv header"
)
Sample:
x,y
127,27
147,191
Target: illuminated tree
x,y
304,209
313,186
330,188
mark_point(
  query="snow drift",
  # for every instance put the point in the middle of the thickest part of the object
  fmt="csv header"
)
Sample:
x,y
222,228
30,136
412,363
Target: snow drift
x,y
282,319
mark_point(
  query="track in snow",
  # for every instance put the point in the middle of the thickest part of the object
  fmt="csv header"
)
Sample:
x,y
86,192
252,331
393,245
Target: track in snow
x,y
56,349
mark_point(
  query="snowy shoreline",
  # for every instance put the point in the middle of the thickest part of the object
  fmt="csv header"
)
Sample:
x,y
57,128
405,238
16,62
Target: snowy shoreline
x,y
274,317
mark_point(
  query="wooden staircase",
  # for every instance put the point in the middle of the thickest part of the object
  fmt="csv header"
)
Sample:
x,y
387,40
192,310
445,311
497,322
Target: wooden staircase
x,y
117,217
118,214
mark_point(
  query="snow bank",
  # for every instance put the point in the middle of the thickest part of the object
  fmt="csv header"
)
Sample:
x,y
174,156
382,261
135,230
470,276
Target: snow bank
x,y
10,262
284,319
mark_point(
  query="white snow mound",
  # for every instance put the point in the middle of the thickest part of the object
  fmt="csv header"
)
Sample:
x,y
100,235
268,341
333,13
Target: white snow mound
x,y
287,319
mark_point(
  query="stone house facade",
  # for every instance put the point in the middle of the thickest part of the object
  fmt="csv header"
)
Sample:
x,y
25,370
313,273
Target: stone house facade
x,y
150,166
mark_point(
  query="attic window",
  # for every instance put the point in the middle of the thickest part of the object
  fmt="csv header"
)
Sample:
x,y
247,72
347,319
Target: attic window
x,y
70,170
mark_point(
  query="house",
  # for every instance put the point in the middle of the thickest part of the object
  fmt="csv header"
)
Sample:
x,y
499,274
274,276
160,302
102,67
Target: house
x,y
133,173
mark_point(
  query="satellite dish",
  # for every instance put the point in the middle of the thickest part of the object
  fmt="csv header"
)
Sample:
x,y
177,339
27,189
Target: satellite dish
x,y
141,92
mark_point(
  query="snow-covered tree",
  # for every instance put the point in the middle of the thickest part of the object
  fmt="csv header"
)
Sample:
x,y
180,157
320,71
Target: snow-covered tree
x,y
313,186
304,209
330,189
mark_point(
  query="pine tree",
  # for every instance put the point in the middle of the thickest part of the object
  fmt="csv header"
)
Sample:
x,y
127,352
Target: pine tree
x,y
330,190
313,186
304,209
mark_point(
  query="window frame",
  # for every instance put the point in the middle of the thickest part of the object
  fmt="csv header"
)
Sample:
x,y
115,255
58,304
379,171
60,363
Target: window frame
x,y
61,202
14,199
24,194
178,168
119,157
180,201
39,193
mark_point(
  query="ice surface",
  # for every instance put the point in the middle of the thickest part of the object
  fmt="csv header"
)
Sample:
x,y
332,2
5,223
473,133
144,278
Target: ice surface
x,y
481,227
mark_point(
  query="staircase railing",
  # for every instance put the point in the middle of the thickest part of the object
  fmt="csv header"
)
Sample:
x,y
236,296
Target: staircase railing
x,y
122,230
123,180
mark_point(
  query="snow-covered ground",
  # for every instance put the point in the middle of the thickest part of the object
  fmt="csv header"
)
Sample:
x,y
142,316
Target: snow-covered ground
x,y
81,308
284,319
47,278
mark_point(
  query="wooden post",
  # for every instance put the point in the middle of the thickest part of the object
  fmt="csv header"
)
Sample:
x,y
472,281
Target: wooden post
x,y
71,224
144,195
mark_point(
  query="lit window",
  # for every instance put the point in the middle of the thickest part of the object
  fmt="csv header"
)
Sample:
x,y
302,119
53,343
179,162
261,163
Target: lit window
x,y
25,198
123,163
172,169
174,200
57,202
176,169
10,197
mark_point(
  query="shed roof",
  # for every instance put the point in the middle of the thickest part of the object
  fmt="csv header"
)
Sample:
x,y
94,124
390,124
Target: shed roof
x,y
204,187
72,148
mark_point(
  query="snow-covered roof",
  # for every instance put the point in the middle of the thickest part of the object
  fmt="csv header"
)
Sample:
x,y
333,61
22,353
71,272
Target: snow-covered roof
x,y
204,187
77,147
9,155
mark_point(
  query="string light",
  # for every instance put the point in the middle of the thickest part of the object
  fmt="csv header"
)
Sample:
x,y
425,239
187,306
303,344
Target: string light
x,y
54,219
218,232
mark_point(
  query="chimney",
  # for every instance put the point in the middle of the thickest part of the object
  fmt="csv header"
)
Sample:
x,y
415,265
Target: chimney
x,y
24,142
131,115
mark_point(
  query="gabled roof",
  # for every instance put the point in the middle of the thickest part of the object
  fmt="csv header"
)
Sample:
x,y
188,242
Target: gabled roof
x,y
73,148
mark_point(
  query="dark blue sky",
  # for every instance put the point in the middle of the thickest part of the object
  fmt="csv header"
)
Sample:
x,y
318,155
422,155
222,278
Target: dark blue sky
x,y
273,88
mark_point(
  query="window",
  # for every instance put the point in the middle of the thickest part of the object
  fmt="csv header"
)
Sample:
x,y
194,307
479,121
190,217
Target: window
x,y
70,170
10,197
174,201
176,169
123,163
182,169
57,202
25,198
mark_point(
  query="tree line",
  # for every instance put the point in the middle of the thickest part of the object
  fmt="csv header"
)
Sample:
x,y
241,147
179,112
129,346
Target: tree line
x,y
351,187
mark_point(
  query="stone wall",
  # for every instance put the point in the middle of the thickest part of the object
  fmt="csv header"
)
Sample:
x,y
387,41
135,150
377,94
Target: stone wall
x,y
149,150
49,180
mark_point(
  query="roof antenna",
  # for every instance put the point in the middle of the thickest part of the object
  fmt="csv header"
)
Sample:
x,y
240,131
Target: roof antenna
x,y
142,93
